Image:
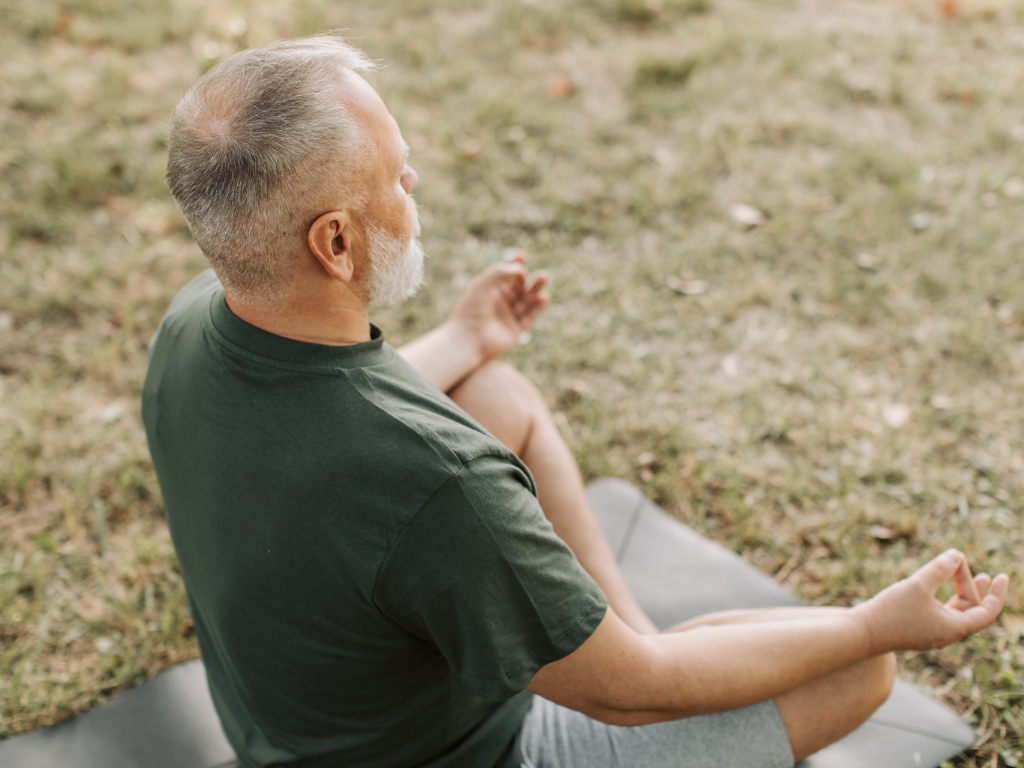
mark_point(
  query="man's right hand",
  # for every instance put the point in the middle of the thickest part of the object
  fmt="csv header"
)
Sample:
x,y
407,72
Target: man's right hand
x,y
906,615
494,311
499,305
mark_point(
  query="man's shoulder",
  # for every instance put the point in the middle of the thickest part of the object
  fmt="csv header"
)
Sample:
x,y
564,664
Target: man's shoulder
x,y
189,306
194,297
408,403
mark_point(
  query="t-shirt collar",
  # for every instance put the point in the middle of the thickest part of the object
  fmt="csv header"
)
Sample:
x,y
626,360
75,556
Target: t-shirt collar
x,y
265,344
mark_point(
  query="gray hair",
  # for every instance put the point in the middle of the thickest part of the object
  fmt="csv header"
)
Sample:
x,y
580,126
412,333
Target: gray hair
x,y
249,145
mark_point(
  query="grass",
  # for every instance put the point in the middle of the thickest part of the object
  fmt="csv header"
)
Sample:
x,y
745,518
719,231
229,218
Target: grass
x,y
843,401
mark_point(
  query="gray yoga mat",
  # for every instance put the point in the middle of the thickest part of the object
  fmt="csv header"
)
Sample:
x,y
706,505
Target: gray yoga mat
x,y
676,574
167,722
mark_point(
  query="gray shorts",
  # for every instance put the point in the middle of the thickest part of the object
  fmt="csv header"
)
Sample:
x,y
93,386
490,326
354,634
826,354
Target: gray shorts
x,y
553,736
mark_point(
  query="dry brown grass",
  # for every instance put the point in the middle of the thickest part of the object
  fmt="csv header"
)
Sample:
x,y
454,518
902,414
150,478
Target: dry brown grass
x,y
844,400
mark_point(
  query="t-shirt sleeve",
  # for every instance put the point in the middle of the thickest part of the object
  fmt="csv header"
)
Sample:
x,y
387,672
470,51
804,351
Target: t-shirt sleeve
x,y
480,573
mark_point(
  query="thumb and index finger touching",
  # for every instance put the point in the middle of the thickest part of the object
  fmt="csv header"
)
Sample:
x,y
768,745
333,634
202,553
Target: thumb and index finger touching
x,y
962,599
969,609
512,267
513,275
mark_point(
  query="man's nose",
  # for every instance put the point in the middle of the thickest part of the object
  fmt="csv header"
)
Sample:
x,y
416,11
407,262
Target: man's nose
x,y
409,179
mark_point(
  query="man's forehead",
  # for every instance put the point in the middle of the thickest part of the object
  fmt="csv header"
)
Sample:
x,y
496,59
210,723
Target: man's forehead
x,y
372,116
368,108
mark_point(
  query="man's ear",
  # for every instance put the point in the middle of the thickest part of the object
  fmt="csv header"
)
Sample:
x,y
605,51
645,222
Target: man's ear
x,y
330,240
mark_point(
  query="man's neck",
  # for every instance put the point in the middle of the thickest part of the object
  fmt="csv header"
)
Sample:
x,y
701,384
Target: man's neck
x,y
336,319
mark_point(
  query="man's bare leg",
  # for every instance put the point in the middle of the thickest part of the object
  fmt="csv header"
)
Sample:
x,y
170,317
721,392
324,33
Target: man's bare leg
x,y
511,408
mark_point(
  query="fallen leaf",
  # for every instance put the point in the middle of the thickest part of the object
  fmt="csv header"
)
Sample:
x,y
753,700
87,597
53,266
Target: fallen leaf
x,y
1014,187
941,402
645,459
920,221
579,387
861,86
62,22
687,287
868,261
896,415
882,533
471,148
663,156
731,366
111,413
560,87
950,8
746,215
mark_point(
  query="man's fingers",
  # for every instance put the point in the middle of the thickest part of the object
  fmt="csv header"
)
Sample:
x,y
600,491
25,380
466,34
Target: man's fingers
x,y
507,270
540,281
530,304
999,588
533,311
524,302
939,570
980,616
982,581
964,584
508,276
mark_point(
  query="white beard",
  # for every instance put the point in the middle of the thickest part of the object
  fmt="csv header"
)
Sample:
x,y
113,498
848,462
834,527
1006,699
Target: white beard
x,y
396,267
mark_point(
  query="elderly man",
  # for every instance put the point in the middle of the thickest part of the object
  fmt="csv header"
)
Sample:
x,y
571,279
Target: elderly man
x,y
383,574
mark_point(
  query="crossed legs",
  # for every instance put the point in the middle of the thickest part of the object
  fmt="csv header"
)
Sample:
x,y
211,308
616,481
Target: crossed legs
x,y
510,407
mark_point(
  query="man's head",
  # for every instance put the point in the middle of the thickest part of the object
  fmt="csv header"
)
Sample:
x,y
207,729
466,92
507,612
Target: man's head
x,y
267,142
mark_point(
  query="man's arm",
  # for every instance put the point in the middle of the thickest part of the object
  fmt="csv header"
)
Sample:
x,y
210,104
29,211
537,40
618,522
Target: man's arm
x,y
622,678
488,319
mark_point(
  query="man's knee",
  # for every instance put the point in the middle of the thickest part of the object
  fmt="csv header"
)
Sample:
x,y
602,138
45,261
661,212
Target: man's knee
x,y
882,676
874,685
497,381
827,709
503,400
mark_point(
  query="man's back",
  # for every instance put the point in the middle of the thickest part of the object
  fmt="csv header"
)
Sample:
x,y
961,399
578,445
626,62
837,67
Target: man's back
x,y
368,570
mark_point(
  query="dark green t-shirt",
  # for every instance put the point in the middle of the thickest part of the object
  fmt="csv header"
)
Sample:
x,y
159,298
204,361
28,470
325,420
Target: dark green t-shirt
x,y
370,576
